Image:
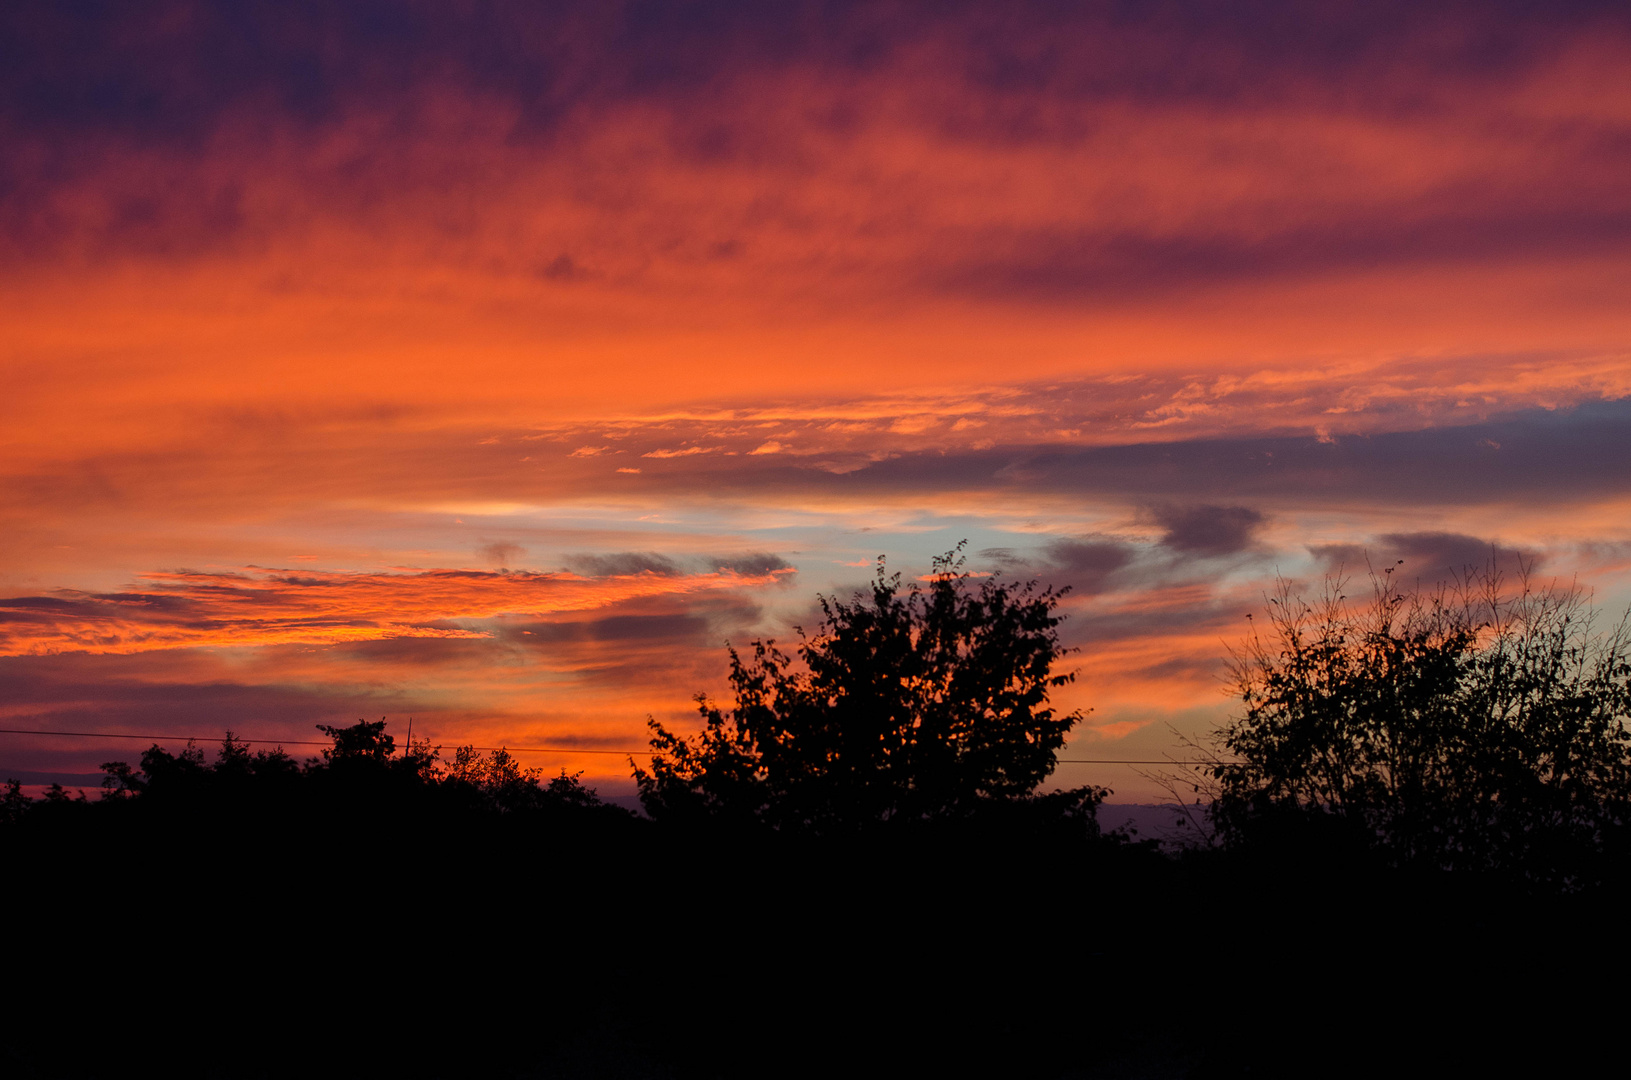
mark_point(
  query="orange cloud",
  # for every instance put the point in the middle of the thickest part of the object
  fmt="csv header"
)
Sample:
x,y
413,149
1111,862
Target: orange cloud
x,y
271,607
805,230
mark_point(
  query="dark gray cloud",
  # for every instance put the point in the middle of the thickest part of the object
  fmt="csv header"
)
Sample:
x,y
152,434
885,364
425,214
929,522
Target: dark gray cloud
x,y
674,627
623,563
82,82
1219,617
1188,668
1428,555
672,643
1541,456
168,70
1538,456
1435,552
1106,268
1347,558
1087,565
501,553
1208,530
750,564
411,653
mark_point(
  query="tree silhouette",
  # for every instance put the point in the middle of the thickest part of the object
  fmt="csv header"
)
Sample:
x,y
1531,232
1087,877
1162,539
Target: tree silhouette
x,y
502,784
907,705
1464,728
360,773
13,803
362,741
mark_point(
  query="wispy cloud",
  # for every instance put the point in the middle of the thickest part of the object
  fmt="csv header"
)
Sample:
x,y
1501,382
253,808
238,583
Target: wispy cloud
x,y
280,607
689,451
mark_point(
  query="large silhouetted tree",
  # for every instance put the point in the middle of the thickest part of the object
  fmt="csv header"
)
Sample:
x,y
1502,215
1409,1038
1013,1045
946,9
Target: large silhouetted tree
x,y
923,703
1465,728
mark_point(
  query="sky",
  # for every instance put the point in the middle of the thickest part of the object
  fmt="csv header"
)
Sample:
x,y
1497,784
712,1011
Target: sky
x,y
495,364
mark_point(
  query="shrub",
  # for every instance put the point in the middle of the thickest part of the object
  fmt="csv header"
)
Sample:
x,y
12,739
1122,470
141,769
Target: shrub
x,y
1471,727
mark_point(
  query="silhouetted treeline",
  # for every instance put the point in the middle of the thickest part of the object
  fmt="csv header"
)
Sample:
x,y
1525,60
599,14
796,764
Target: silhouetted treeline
x,y
467,917
364,912
362,773
1417,855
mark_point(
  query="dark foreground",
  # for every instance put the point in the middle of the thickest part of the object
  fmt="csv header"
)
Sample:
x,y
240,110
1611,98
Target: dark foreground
x,y
379,939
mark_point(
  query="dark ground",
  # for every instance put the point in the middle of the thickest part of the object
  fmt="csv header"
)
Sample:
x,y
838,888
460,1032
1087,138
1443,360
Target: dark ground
x,y
379,946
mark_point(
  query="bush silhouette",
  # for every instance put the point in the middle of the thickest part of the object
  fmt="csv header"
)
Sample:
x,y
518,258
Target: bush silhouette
x,y
923,704
362,773
1468,728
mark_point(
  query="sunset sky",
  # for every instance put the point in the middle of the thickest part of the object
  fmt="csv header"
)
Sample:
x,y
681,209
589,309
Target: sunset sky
x,y
495,364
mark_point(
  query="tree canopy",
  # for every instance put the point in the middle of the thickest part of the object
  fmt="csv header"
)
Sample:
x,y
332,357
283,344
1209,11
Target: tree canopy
x,y
363,770
1470,727
924,703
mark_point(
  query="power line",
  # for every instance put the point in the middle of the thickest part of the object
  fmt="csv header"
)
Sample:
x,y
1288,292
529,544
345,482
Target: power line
x,y
489,749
